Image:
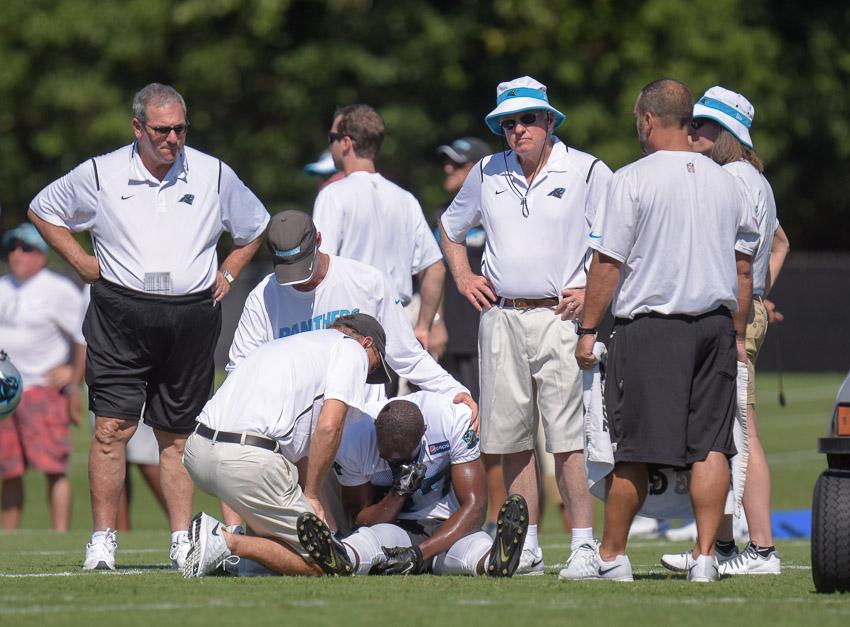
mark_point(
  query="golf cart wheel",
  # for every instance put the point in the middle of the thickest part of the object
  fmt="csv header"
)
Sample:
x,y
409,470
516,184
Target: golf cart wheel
x,y
831,532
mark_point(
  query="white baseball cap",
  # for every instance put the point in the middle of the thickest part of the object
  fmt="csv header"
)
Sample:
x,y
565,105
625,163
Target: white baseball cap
x,y
729,109
520,94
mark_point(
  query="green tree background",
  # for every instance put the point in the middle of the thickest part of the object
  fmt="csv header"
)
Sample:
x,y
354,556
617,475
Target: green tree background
x,y
263,77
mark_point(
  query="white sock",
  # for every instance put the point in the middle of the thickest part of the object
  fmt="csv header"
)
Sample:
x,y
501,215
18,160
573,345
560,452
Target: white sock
x,y
176,536
581,535
100,534
531,540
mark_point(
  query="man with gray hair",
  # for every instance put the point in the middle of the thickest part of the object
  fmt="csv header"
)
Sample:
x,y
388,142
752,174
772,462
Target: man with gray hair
x,y
155,209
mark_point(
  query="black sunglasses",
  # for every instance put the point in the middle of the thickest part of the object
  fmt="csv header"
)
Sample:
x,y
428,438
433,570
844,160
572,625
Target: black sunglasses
x,y
165,131
697,123
16,244
335,137
526,119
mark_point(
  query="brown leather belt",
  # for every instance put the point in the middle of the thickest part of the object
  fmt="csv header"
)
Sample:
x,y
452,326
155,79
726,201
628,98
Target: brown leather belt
x,y
527,303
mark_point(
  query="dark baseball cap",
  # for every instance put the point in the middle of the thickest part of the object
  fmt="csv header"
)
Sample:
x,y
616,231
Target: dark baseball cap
x,y
291,239
367,326
465,150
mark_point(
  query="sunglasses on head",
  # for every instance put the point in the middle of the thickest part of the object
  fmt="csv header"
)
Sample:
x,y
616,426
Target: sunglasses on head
x,y
16,244
165,131
526,119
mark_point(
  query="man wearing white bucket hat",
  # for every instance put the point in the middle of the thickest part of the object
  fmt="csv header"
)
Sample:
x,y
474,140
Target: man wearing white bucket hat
x,y
721,130
536,202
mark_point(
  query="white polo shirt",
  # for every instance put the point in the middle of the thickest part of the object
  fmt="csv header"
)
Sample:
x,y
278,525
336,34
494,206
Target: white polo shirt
x,y
40,319
449,439
674,219
150,235
538,255
278,391
366,217
273,311
764,210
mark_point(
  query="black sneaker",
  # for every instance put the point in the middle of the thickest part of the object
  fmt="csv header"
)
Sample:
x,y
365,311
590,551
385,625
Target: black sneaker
x,y
511,526
322,546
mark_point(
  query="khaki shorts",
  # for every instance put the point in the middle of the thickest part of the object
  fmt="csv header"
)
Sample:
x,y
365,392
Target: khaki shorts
x,y
756,330
528,369
261,486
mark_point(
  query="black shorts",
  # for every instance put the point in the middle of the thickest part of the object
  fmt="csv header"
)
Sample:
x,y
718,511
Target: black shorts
x,y
151,351
670,388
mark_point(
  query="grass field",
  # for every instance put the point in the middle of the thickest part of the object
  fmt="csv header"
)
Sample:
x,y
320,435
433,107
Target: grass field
x,y
41,582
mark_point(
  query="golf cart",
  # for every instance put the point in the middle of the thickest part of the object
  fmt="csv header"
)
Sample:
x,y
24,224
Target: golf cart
x,y
831,506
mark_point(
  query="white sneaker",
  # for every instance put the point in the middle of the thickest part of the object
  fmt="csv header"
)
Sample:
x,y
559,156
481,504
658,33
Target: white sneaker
x,y
643,527
530,563
685,533
703,569
179,550
208,549
680,562
582,562
100,551
595,568
751,563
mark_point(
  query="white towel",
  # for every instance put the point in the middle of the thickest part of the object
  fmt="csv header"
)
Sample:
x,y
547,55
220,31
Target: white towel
x,y
668,493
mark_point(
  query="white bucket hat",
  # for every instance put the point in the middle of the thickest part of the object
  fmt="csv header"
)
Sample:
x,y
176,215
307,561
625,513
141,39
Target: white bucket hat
x,y
520,94
729,109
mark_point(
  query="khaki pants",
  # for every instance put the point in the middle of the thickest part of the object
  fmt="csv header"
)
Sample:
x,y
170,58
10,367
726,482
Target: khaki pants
x,y
261,486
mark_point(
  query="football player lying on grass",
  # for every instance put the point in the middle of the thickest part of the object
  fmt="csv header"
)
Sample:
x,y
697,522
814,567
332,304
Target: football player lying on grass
x,y
415,485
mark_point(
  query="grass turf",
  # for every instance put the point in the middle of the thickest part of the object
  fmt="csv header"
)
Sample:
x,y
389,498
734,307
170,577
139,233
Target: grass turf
x,y
41,581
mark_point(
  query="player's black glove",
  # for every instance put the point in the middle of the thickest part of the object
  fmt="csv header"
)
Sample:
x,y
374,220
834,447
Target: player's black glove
x,y
400,560
407,478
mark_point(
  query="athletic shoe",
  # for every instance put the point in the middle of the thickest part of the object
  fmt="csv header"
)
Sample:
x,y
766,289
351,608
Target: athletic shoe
x,y
750,562
685,533
643,527
530,562
209,548
179,550
511,526
703,569
587,565
328,552
581,562
679,562
100,552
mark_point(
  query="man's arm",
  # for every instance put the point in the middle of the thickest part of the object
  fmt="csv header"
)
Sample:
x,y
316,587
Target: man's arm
x,y
602,281
431,282
323,450
360,502
744,266
475,287
234,263
60,239
778,251
470,486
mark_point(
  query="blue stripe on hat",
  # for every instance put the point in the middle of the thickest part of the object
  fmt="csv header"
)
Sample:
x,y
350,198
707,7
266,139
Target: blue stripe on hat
x,y
522,92
711,103
287,253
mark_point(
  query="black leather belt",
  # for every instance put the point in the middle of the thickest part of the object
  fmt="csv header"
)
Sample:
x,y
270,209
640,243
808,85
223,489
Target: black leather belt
x,y
237,438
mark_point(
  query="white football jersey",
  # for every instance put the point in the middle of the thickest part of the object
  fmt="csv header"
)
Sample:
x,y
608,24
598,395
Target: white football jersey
x,y
449,439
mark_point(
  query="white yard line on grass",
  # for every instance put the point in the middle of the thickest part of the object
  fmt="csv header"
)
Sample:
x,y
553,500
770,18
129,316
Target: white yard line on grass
x,y
78,573
125,607
75,551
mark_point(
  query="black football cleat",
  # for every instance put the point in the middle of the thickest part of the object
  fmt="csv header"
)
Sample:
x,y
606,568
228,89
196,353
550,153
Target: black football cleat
x,y
511,526
322,546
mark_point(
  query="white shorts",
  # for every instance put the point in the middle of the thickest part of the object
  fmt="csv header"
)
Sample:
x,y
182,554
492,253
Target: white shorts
x,y
528,369
261,486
